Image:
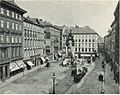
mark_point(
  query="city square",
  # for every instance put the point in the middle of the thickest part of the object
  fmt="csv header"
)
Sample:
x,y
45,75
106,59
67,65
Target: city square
x,y
73,56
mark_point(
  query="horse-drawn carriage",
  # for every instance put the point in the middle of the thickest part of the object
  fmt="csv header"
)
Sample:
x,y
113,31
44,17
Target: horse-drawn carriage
x,y
79,72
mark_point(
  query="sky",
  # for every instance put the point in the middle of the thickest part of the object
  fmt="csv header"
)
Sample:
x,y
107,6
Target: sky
x,y
98,14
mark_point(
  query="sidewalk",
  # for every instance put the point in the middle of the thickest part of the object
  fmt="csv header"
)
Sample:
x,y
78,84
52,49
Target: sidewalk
x,y
15,77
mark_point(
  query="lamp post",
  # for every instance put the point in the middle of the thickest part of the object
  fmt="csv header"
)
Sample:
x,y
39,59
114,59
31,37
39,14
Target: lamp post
x,y
53,77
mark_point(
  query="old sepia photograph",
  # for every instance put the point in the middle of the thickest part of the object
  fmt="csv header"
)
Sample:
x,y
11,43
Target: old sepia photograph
x,y
59,46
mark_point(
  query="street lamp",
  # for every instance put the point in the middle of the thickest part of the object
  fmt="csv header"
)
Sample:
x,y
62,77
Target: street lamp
x,y
53,77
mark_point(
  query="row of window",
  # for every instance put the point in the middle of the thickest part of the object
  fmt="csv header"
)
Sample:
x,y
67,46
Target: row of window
x,y
7,38
10,25
85,44
10,13
34,43
84,36
32,52
5,53
32,27
86,40
33,34
84,49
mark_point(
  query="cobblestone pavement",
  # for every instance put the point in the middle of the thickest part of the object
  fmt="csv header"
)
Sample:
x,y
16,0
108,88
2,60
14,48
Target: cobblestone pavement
x,y
37,82
91,85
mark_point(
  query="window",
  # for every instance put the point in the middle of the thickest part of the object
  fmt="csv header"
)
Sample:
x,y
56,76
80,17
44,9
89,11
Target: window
x,y
89,44
13,25
79,49
16,39
16,16
89,49
8,24
76,40
82,40
79,44
2,23
20,17
86,49
92,44
1,39
16,27
13,14
7,12
20,27
2,11
93,40
20,40
7,39
12,39
82,49
86,40
79,40
93,49
75,49
89,40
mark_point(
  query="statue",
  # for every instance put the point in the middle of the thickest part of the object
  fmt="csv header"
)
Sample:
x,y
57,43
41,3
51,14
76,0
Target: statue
x,y
70,45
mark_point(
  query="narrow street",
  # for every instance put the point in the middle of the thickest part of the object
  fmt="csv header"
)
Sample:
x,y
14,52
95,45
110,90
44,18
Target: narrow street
x,y
37,82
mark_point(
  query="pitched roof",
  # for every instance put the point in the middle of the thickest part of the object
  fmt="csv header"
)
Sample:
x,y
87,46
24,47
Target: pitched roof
x,y
12,4
85,29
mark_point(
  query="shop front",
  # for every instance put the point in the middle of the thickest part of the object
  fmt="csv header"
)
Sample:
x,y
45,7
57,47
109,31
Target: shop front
x,y
17,67
4,71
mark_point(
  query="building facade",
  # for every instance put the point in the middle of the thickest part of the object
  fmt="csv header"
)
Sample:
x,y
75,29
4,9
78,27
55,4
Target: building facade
x,y
33,41
11,25
52,38
86,44
117,33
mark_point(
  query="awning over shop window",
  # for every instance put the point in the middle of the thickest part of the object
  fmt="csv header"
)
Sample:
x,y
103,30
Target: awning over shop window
x,y
13,66
47,58
30,63
21,64
43,59
60,54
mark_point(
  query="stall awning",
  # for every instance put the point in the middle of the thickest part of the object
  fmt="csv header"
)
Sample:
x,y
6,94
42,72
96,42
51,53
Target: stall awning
x,y
13,66
60,54
21,64
43,59
30,63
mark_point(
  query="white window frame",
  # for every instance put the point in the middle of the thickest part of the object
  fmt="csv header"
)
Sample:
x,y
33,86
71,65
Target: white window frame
x,y
20,27
8,12
8,25
20,17
13,14
2,23
2,11
7,39
13,26
16,26
16,16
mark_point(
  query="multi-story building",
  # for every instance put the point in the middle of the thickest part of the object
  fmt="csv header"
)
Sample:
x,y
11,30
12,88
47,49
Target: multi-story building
x,y
52,38
33,41
86,44
112,42
117,33
11,25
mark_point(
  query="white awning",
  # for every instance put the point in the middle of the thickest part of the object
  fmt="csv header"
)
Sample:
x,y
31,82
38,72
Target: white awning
x,y
21,64
13,66
60,54
43,59
86,55
30,63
